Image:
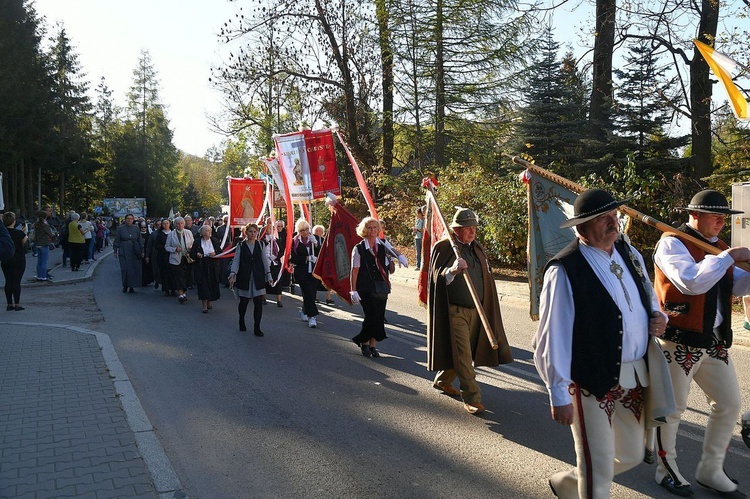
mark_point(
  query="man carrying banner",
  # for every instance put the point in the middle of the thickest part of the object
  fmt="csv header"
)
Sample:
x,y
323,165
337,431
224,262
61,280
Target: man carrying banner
x,y
695,289
597,310
456,341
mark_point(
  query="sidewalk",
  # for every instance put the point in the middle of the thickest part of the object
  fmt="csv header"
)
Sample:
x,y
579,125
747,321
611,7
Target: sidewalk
x,y
70,421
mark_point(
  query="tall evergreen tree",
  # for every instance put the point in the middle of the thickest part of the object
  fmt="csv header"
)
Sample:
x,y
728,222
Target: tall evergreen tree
x,y
553,117
145,157
72,118
645,103
25,104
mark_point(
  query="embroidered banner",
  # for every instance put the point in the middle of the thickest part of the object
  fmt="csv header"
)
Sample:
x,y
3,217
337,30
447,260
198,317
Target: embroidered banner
x,y
321,158
334,262
246,200
292,156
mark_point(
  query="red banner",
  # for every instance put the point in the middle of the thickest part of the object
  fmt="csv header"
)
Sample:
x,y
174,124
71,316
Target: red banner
x,y
434,231
246,197
321,159
335,259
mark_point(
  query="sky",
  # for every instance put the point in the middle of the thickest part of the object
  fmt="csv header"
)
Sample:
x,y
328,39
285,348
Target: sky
x,y
180,35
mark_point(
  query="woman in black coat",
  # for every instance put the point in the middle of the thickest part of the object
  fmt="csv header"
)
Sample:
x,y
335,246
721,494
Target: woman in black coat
x,y
304,254
14,267
206,268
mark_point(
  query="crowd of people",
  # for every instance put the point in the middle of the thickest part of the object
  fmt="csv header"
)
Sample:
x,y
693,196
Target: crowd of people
x,y
617,354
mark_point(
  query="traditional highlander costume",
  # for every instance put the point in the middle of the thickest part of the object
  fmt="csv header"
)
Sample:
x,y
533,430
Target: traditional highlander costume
x,y
455,335
695,290
590,350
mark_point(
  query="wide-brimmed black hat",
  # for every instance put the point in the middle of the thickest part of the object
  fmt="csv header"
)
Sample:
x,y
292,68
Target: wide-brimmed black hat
x,y
590,204
710,201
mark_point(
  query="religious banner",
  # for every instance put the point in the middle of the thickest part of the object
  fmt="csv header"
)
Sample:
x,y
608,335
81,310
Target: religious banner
x,y
321,158
246,200
293,166
334,261
549,205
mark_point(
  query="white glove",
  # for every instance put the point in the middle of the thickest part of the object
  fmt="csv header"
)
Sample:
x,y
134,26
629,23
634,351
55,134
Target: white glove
x,y
313,258
402,261
355,297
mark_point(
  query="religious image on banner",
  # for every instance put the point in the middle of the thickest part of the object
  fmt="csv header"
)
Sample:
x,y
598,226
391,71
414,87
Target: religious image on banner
x,y
292,156
334,261
246,197
275,168
549,205
321,156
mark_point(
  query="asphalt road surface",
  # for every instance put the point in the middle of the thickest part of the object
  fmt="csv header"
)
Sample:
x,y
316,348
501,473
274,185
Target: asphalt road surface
x,y
301,413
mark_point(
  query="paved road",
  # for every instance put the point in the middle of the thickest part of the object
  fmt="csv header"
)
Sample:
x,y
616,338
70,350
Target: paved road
x,y
298,413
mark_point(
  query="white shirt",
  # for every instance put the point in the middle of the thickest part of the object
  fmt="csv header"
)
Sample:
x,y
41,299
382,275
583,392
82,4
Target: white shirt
x,y
356,259
553,343
696,278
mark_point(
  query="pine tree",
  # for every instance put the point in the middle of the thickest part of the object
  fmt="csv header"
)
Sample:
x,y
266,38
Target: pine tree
x,y
645,102
554,115
72,121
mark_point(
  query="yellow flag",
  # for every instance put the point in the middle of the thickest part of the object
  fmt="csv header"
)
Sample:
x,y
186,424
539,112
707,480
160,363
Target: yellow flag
x,y
723,67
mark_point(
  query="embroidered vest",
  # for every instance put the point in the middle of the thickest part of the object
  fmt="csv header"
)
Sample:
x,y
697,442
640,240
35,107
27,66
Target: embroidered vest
x,y
691,317
597,328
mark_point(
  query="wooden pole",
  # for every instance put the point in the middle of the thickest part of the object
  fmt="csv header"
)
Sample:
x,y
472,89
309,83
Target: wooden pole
x,y
472,290
668,229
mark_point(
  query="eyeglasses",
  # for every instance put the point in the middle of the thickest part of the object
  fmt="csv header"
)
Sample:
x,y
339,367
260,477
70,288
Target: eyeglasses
x,y
304,230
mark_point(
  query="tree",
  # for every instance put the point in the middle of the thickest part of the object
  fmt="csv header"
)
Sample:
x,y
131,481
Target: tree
x,y
26,103
327,55
72,122
645,103
551,122
601,92
144,157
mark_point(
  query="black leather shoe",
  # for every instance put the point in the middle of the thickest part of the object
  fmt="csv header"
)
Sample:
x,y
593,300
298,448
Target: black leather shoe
x,y
366,351
124,289
679,490
258,332
374,352
131,290
242,326
10,307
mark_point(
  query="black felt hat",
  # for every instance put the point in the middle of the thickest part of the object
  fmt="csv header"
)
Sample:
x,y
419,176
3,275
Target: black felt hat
x,y
590,204
710,201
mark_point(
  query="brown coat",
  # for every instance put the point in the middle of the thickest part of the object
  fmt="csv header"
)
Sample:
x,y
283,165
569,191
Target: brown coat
x,y
440,349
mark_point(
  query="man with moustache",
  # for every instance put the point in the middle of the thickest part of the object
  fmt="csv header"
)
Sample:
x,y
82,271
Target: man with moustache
x,y
597,309
695,289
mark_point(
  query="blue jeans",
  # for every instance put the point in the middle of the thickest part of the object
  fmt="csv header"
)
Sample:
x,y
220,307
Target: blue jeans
x,y
418,247
41,262
90,248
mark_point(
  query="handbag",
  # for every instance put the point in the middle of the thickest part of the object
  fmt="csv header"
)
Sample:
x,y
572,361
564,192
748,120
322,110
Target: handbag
x,y
188,259
380,290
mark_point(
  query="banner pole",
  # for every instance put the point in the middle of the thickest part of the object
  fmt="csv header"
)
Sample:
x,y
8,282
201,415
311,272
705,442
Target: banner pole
x,y
633,213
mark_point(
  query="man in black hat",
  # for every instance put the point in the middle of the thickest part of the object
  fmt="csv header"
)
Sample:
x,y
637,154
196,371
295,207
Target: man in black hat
x,y
695,289
597,309
456,340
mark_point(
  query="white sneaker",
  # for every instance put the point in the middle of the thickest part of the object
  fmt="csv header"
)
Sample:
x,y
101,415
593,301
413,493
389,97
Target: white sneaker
x,y
302,316
312,323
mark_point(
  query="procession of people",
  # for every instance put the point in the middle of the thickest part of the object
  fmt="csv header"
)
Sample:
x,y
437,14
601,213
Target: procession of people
x,y
610,345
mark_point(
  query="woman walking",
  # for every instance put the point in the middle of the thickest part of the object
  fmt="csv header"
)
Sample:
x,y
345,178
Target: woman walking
x,y
303,255
206,267
250,272
147,274
43,237
178,245
128,248
14,267
370,283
